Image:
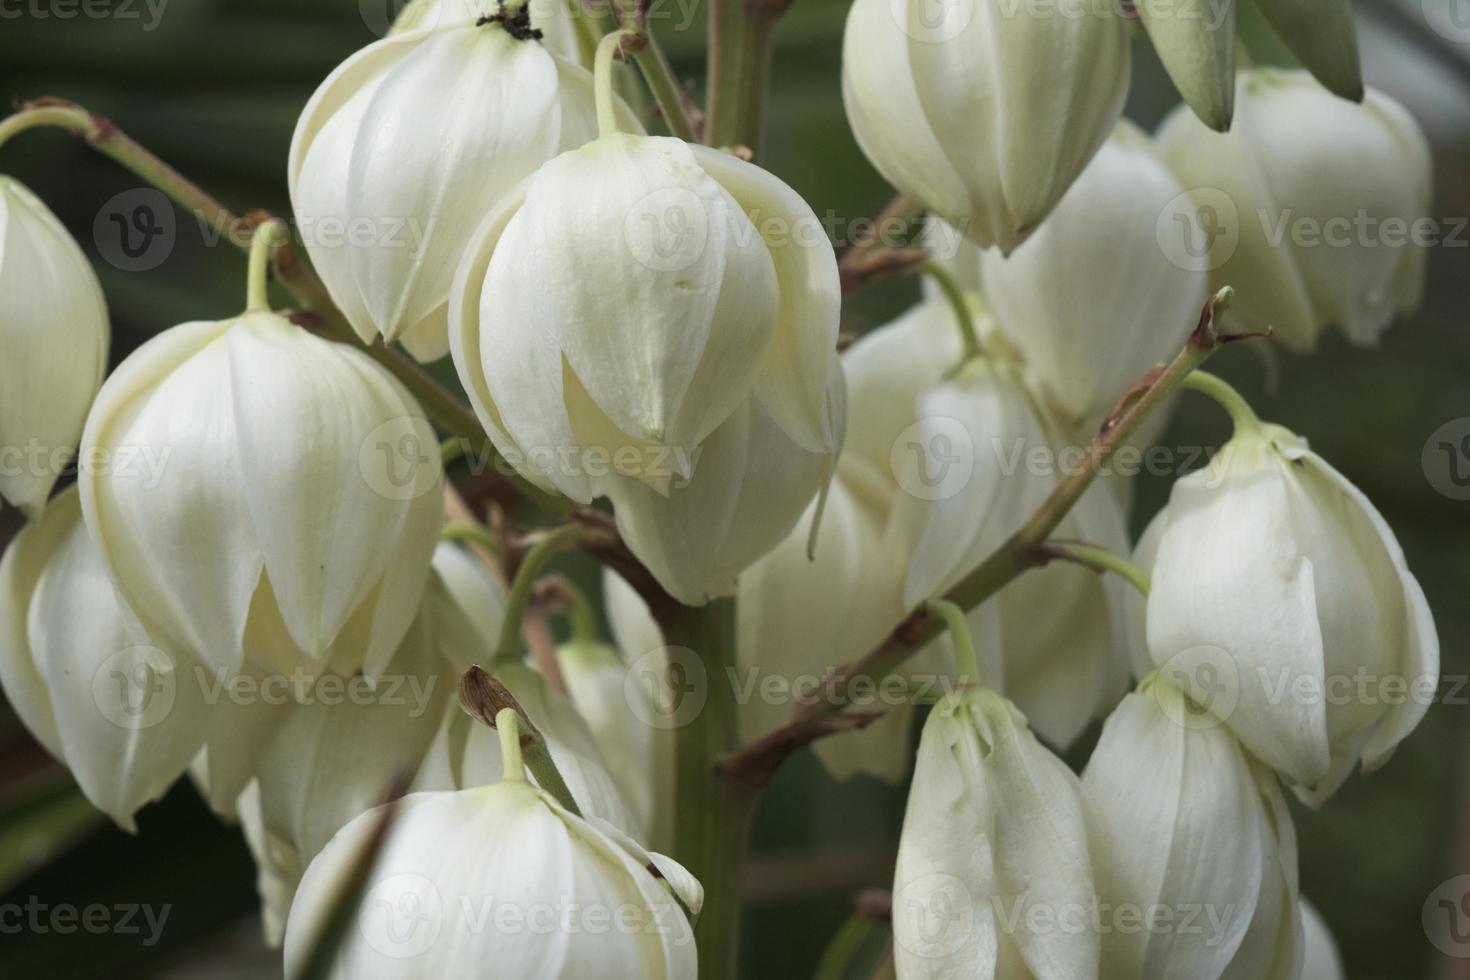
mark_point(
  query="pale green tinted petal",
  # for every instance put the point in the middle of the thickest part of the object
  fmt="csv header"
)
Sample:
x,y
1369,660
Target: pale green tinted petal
x,y
1324,39
1197,45
1321,960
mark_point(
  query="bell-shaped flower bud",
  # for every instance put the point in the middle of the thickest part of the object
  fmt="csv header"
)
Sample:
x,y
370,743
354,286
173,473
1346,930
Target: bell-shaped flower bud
x,y
466,604
406,146
994,876
1306,242
981,460
1195,854
1091,333
1282,603
242,539
501,875
985,111
124,713
1321,961
696,341
566,27
1196,43
54,331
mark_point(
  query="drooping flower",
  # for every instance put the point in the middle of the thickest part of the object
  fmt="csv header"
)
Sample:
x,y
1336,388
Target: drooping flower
x,y
984,111
562,24
1306,242
247,543
690,359
501,875
995,832
1194,849
1282,601
54,331
406,146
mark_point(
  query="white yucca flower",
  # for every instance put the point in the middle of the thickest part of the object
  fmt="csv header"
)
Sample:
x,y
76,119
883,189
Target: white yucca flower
x,y
1306,242
247,543
995,833
1282,601
54,332
500,877
985,111
406,146
1190,835
693,358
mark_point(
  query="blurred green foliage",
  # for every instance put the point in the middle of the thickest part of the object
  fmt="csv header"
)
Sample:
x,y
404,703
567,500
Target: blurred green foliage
x,y
215,87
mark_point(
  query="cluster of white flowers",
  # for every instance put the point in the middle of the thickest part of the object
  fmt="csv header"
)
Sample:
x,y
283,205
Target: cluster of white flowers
x,y
607,295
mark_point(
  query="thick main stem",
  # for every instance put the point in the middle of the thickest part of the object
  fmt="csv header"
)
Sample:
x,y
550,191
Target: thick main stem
x,y
742,33
714,813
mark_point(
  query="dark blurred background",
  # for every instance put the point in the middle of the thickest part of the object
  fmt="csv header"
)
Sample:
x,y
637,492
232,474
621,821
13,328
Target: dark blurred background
x,y
215,86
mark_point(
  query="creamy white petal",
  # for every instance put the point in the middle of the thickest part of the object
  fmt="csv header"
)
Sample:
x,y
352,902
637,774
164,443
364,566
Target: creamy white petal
x,y
22,566
180,543
995,832
54,330
307,412
1178,822
338,752
794,380
1091,333
1247,667
131,714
